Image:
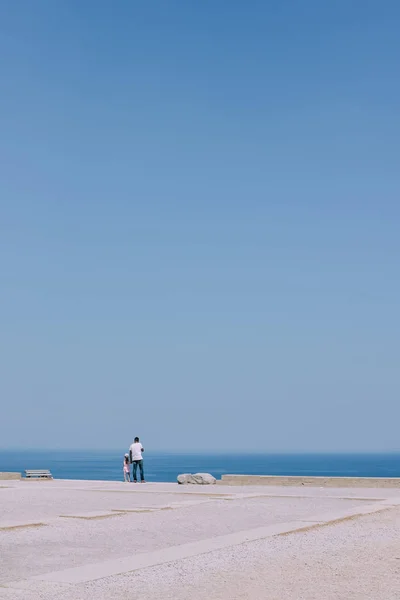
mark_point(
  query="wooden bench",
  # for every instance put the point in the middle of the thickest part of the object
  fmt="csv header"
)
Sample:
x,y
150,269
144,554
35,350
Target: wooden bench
x,y
38,474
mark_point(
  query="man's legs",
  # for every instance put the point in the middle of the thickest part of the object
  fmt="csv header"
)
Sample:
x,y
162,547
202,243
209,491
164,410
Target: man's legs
x,y
141,469
135,462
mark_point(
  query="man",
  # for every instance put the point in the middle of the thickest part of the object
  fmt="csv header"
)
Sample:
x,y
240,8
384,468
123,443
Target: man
x,y
135,454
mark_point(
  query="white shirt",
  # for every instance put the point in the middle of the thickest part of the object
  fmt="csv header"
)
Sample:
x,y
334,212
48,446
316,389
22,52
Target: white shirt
x,y
136,449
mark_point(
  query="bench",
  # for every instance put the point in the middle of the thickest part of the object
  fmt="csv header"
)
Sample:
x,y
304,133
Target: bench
x,y
38,474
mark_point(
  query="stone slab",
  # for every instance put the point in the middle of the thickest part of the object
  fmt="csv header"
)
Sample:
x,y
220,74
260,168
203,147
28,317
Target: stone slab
x,y
100,570
92,572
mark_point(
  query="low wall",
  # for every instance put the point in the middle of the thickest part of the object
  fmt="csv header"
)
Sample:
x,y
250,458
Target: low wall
x,y
5,475
362,482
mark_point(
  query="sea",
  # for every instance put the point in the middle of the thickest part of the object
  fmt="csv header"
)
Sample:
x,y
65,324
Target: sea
x,y
163,466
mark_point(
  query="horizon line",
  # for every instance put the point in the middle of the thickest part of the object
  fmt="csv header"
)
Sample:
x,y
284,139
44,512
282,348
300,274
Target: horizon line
x,y
201,452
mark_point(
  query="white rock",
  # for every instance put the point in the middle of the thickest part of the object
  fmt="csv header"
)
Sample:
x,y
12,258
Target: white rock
x,y
198,478
204,478
185,478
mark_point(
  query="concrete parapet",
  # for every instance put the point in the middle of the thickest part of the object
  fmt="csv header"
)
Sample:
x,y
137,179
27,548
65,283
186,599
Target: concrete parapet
x,y
338,482
5,475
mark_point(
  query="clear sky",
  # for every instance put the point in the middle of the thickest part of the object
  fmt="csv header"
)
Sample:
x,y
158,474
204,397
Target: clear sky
x,y
200,224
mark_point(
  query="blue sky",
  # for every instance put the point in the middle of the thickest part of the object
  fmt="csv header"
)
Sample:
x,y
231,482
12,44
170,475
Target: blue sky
x,y
200,224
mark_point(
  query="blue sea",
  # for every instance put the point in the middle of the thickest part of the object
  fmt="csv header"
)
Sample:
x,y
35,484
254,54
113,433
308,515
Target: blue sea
x,y
107,465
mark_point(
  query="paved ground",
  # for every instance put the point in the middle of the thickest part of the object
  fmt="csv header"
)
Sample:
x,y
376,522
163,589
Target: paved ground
x,y
63,540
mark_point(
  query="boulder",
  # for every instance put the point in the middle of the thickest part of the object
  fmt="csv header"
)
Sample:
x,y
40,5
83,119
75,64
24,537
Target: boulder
x,y
185,478
198,478
204,479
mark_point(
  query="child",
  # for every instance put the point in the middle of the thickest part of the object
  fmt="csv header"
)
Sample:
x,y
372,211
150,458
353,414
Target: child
x,y
127,469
